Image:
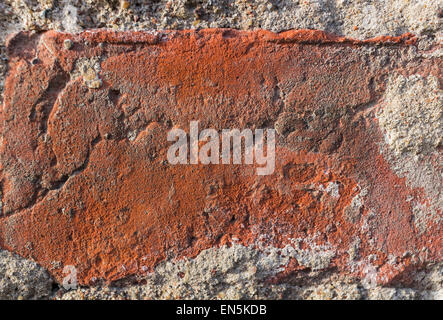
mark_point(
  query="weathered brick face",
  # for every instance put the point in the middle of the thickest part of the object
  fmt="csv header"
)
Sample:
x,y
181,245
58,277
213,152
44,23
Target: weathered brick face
x,y
85,179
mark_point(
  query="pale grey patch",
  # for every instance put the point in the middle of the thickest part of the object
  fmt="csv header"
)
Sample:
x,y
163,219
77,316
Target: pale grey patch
x,y
22,279
411,116
239,272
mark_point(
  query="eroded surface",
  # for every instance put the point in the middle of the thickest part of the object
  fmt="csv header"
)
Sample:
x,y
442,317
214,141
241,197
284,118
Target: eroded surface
x,y
85,181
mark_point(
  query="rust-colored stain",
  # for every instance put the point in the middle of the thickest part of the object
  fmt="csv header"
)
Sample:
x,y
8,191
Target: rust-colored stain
x,y
84,175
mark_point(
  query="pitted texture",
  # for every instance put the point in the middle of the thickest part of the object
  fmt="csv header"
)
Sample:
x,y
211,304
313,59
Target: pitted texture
x,y
419,173
84,166
413,115
360,19
22,279
239,272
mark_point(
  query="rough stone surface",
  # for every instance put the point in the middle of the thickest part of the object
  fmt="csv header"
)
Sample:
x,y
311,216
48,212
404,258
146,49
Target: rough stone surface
x,y
412,116
85,181
239,272
357,18
404,148
411,119
22,279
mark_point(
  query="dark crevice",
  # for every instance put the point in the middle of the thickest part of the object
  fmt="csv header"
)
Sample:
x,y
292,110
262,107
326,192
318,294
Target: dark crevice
x,y
61,182
48,99
40,194
114,96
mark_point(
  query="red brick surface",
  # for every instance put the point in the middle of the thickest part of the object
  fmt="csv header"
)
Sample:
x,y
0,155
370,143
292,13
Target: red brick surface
x,y
84,175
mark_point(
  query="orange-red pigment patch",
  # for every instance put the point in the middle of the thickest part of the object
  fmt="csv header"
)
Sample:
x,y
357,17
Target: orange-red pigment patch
x,y
84,175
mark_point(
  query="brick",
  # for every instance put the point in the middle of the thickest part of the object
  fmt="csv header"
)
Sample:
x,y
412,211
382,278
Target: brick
x,y
84,175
